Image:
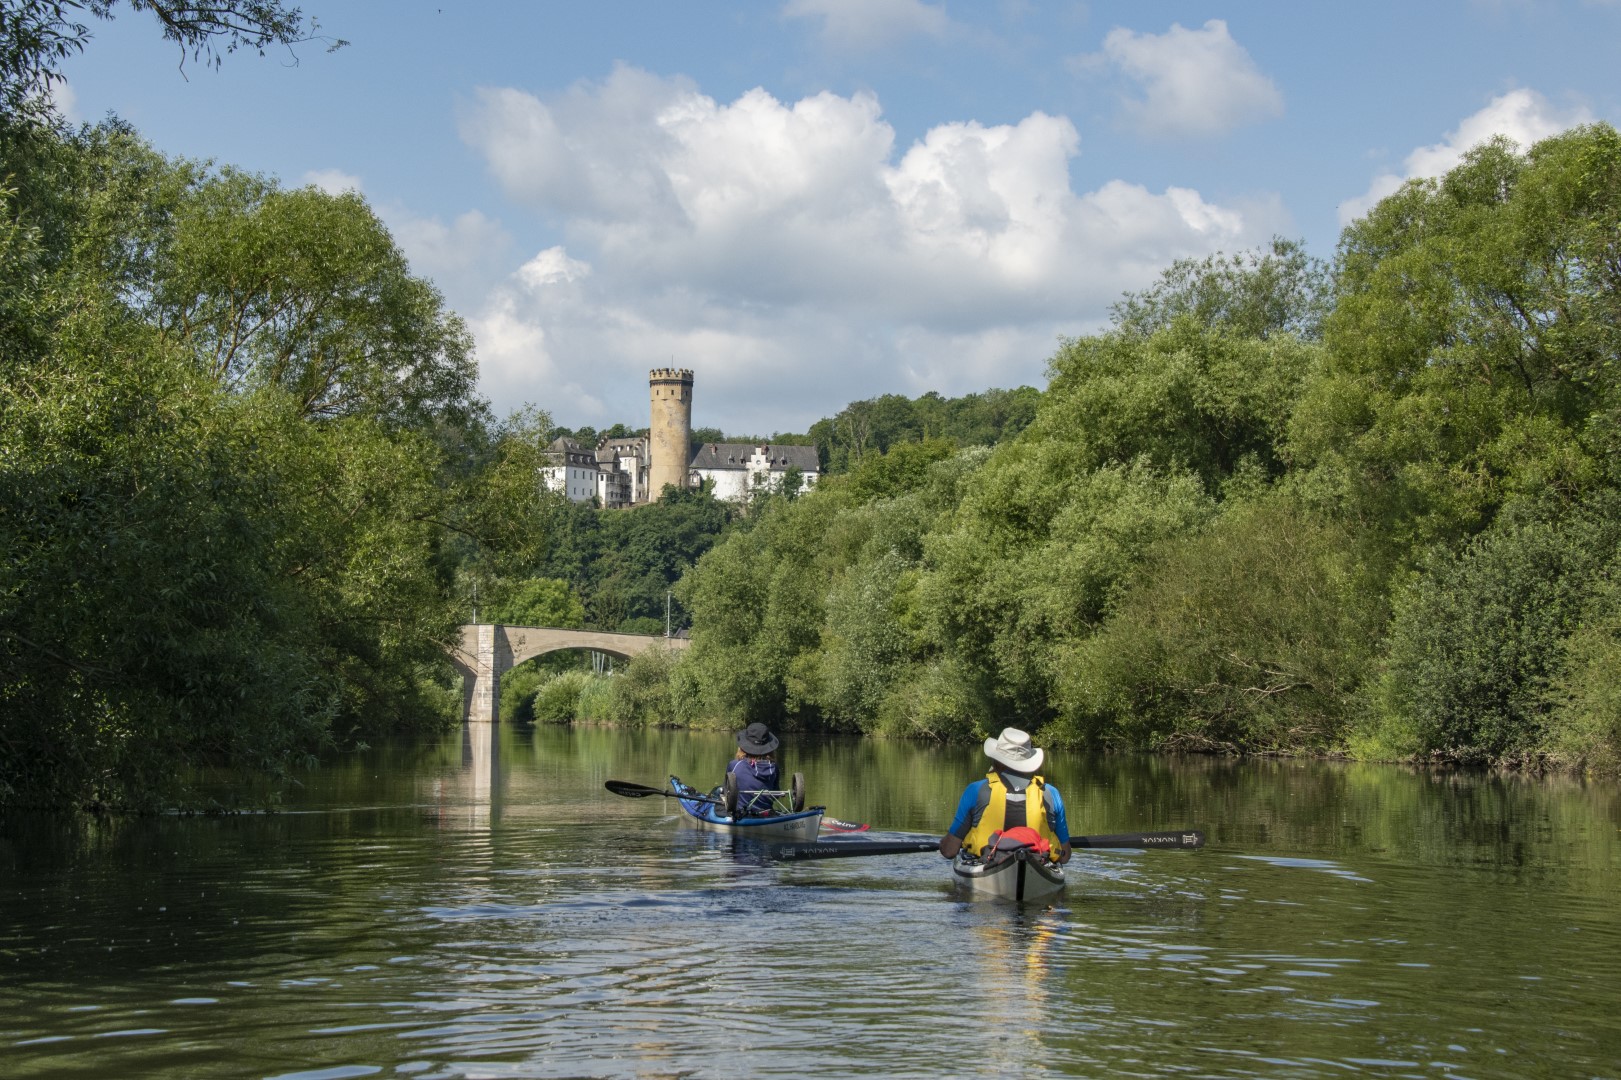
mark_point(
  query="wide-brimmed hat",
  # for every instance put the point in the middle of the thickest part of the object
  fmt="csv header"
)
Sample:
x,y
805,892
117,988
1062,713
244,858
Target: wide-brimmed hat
x,y
1013,749
756,739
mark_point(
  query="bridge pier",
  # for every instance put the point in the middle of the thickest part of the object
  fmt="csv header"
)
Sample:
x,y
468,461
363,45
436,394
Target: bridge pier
x,y
488,651
483,658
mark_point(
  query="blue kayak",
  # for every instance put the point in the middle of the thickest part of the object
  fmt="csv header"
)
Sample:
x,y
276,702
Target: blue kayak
x,y
785,822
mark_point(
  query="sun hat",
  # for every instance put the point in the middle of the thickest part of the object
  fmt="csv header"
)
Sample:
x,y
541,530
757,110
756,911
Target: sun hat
x,y
756,739
1013,749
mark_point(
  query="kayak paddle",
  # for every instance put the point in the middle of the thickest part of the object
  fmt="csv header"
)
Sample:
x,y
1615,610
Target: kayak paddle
x,y
642,791
1182,838
845,849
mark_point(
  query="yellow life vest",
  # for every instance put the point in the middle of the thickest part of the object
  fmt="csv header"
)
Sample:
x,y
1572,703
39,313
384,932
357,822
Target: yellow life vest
x,y
994,818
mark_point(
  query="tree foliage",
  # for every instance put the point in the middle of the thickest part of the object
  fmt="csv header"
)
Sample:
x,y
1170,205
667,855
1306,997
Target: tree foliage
x,y
307,292
1278,290
871,427
1480,641
624,564
200,567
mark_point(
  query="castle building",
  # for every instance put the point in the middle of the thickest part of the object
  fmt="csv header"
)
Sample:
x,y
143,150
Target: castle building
x,y
632,471
670,432
735,469
623,467
572,470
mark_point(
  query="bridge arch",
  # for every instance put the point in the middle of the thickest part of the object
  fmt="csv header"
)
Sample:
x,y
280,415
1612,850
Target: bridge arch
x,y
486,651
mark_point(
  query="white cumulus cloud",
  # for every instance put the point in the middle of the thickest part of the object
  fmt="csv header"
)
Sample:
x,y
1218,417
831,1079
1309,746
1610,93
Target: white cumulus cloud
x,y
1524,116
61,96
793,246
463,256
551,267
333,181
1189,82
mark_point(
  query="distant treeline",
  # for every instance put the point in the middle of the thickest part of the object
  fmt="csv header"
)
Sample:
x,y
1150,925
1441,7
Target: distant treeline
x,y
1372,508
869,427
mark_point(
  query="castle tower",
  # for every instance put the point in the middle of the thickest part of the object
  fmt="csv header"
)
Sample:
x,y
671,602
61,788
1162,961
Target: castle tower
x,y
670,432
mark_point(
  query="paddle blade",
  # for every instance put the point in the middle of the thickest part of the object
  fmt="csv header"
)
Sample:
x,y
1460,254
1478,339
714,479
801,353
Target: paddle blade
x,y
1182,838
832,824
847,849
632,791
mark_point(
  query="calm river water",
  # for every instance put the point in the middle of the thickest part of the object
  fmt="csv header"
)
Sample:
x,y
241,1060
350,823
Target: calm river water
x,y
479,909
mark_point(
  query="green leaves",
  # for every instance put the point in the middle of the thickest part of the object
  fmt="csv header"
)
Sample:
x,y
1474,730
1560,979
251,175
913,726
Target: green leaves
x,y
306,292
238,447
1472,310
1479,639
1259,294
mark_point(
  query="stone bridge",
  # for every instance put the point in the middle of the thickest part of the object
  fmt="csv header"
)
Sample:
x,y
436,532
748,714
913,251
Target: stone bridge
x,y
489,651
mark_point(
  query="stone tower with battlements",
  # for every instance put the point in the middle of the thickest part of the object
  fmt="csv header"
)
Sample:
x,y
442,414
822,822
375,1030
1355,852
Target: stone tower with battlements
x,y
670,431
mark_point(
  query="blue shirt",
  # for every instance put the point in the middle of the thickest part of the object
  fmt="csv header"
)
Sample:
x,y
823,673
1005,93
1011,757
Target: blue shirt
x,y
754,774
968,810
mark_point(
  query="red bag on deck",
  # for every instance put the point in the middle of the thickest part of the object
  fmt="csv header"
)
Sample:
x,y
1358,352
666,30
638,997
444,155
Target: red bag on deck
x,y
1021,836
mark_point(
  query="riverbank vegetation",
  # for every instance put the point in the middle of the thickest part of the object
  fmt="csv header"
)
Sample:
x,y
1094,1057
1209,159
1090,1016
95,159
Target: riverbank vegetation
x,y
243,472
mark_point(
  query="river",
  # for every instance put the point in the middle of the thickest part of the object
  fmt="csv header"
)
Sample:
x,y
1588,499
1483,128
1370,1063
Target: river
x,y
482,907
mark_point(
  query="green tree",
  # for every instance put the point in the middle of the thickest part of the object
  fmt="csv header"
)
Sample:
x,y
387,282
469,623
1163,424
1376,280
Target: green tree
x,y
1584,721
1254,633
1472,344
1185,396
307,292
756,605
624,563
1257,294
539,602
1479,641
876,425
903,468
702,435
203,569
145,618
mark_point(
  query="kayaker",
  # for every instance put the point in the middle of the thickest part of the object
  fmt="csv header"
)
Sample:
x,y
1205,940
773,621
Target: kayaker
x,y
1002,801
755,767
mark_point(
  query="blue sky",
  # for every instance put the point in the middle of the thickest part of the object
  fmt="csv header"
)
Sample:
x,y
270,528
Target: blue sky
x,y
809,202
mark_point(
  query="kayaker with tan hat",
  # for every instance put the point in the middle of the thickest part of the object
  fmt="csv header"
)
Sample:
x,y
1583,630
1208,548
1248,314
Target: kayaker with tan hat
x,y
1013,795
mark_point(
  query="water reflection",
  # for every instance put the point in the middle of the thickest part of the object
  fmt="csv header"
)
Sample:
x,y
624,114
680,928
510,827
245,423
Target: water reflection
x,y
1014,947
472,794
481,906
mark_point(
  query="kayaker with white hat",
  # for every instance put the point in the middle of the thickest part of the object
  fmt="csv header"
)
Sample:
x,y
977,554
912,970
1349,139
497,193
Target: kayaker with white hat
x,y
1012,795
755,767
